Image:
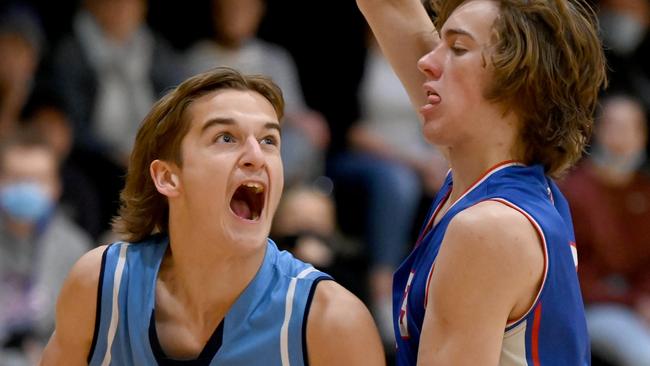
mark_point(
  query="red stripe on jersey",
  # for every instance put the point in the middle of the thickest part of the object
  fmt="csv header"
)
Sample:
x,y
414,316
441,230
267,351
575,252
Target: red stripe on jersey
x,y
493,169
537,319
542,238
426,291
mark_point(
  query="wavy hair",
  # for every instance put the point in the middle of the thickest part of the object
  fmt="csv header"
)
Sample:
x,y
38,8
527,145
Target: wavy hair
x,y
549,67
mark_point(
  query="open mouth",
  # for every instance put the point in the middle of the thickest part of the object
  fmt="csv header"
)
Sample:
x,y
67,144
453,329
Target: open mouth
x,y
248,201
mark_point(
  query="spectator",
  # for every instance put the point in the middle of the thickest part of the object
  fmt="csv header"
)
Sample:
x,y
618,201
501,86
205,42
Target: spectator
x,y
109,72
45,114
38,245
21,41
624,28
306,225
610,200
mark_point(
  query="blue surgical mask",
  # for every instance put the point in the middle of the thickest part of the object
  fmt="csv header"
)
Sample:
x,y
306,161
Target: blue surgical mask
x,y
605,158
25,201
622,33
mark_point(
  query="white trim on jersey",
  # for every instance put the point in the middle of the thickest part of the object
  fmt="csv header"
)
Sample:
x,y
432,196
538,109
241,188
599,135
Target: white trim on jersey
x,y
487,175
115,316
403,312
513,349
574,254
540,232
288,308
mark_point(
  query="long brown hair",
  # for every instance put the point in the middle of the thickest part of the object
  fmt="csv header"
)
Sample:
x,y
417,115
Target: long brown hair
x,y
143,210
549,67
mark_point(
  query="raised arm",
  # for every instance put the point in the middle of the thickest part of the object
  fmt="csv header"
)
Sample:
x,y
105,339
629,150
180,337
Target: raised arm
x,y
75,313
340,330
487,273
405,33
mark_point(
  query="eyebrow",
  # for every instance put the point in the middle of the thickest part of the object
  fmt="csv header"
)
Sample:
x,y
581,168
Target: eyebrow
x,y
458,32
231,122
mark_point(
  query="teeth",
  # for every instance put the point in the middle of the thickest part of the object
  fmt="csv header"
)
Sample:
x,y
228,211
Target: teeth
x,y
255,216
257,188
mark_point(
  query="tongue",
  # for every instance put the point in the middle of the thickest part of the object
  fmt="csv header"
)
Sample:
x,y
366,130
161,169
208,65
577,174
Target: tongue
x,y
434,98
241,209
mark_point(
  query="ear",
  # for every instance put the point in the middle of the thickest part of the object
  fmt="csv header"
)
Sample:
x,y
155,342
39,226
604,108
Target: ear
x,y
165,178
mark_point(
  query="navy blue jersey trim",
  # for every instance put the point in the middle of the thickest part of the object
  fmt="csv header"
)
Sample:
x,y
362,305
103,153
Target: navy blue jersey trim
x,y
205,357
310,297
98,308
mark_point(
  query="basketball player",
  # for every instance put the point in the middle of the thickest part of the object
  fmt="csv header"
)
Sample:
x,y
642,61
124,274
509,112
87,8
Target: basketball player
x,y
507,90
196,280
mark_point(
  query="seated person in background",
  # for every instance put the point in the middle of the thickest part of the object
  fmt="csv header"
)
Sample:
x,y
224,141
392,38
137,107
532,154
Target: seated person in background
x,y
21,43
197,277
45,114
38,245
610,201
306,225
109,72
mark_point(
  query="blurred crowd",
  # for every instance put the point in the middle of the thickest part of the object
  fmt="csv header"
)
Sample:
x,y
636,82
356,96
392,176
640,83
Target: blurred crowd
x,y
359,176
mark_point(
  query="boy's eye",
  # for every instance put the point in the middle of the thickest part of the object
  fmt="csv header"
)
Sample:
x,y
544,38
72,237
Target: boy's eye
x,y
458,50
224,138
269,140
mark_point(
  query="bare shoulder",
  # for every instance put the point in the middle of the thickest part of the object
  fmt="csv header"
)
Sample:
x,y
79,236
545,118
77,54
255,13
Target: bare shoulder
x,y
340,329
75,312
81,285
495,227
497,243
490,255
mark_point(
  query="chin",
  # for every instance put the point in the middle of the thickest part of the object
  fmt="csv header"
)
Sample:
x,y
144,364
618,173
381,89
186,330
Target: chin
x,y
431,136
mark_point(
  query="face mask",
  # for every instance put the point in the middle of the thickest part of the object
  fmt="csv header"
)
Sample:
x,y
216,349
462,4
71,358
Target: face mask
x,y
623,165
621,33
25,201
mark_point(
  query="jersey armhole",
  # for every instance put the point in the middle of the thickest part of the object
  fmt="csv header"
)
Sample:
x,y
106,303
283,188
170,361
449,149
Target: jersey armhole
x,y
98,307
540,233
310,297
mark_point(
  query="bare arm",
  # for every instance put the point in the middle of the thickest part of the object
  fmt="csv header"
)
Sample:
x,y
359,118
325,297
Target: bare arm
x,y
75,313
488,272
340,330
405,33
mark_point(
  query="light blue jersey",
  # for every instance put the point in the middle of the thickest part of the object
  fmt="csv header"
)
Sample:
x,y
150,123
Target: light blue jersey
x,y
265,325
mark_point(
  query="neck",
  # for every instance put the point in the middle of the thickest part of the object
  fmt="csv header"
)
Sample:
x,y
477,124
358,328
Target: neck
x,y
494,140
468,168
194,260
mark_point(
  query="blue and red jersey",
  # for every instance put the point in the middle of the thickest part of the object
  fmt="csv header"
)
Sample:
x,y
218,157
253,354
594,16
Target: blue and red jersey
x,y
553,331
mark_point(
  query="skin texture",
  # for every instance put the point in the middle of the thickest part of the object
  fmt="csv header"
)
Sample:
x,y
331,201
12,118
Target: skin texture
x,y
498,249
234,138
